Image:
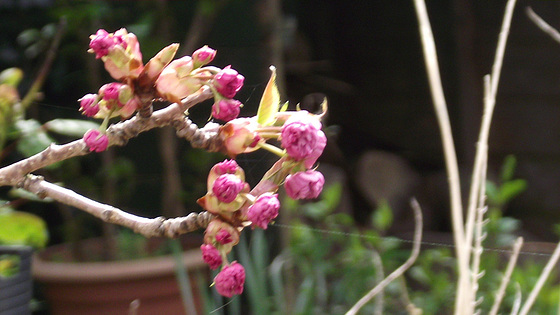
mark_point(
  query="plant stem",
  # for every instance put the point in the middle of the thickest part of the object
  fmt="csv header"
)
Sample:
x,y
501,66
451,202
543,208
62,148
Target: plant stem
x,y
481,157
404,267
434,78
271,148
183,278
507,275
545,27
42,75
540,282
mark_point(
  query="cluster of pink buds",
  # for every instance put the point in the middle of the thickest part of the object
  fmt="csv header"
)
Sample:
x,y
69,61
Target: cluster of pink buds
x,y
296,138
226,85
160,78
120,52
232,201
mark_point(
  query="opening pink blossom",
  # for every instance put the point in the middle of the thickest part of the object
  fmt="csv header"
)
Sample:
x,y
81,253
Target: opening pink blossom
x,y
264,210
227,187
304,185
211,256
89,104
226,109
228,82
230,280
226,167
96,141
302,139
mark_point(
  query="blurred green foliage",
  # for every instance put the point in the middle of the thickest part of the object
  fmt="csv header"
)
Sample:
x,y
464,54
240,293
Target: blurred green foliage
x,y
20,228
328,263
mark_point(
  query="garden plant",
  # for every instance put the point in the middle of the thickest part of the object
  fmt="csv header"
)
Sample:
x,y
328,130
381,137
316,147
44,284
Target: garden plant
x,y
126,108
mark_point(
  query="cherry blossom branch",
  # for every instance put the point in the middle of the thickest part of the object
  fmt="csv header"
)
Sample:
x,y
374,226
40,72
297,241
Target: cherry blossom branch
x,y
148,227
404,267
119,134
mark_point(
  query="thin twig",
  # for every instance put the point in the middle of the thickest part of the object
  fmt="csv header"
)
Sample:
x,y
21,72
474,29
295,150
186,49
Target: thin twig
x,y
379,275
477,252
399,271
43,72
434,78
490,91
118,134
517,300
545,27
507,275
145,226
479,172
134,306
540,282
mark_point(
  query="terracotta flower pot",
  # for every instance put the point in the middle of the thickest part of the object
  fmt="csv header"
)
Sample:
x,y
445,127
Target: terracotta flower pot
x,y
110,287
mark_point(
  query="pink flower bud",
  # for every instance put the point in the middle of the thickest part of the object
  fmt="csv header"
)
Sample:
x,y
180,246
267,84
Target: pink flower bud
x,y
110,91
228,82
226,109
203,56
100,43
304,185
310,160
120,52
264,210
239,136
96,141
302,138
89,104
230,280
118,99
223,237
175,81
227,187
211,256
226,167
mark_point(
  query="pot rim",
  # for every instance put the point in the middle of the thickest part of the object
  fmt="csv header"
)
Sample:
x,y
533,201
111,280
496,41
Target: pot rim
x,y
46,270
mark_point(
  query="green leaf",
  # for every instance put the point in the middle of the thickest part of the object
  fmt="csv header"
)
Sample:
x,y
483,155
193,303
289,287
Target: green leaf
x,y
492,192
70,127
383,216
284,107
306,292
20,228
22,193
331,195
508,168
270,101
316,210
511,189
33,138
28,37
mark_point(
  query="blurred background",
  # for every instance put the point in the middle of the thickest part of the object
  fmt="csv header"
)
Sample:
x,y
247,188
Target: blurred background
x,y
364,56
